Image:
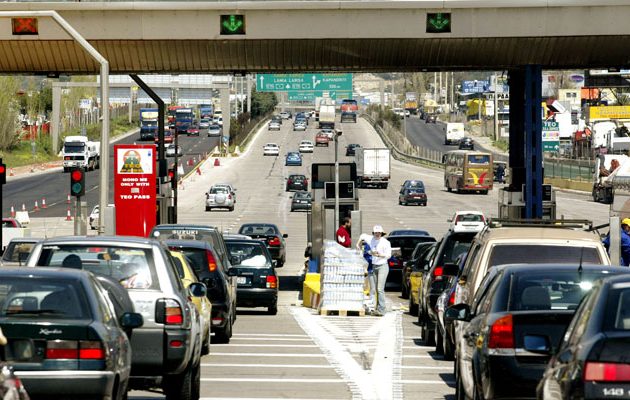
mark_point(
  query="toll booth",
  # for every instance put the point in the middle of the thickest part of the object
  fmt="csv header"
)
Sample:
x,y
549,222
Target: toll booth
x,y
512,204
321,220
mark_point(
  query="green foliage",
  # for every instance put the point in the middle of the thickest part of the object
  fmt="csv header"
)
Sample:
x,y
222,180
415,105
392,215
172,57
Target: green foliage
x,y
502,144
384,115
263,103
9,111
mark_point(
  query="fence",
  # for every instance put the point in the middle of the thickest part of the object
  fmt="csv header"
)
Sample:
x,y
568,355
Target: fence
x,y
575,170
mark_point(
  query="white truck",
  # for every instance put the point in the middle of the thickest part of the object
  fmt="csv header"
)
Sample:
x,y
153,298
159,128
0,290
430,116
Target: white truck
x,y
80,152
373,167
453,132
603,181
326,116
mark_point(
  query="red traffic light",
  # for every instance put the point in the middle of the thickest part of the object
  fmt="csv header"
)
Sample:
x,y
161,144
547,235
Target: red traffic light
x,y
3,169
76,175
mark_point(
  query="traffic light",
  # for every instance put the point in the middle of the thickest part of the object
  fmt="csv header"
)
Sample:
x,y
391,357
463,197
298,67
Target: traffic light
x,y
77,182
3,173
171,177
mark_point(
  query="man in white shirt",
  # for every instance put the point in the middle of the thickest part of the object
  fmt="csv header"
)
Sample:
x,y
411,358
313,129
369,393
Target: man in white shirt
x,y
381,251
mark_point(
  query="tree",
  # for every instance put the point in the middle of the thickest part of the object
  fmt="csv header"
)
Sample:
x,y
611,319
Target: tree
x,y
9,112
263,103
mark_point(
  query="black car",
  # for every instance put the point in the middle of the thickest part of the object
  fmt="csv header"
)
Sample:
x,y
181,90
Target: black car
x,y
64,339
352,148
412,196
397,232
219,280
301,201
430,118
256,278
466,143
271,236
519,314
413,264
296,182
277,118
591,361
407,244
452,246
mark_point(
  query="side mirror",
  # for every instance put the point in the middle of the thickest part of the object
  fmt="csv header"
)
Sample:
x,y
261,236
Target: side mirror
x,y
449,220
131,320
458,312
198,289
539,344
285,235
450,269
209,282
232,272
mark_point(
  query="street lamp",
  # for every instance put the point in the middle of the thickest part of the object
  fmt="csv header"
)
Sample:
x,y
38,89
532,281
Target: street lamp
x,y
336,137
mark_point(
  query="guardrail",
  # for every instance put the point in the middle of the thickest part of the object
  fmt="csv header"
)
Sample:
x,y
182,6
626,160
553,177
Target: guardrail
x,y
574,170
402,149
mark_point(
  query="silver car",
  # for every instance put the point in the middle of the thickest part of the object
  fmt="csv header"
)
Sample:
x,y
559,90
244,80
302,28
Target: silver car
x,y
273,126
214,130
170,151
204,124
219,197
147,270
17,251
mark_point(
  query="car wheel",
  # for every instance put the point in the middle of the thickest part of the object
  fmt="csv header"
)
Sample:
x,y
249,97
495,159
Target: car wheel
x,y
273,310
179,387
208,208
231,208
460,394
119,392
427,335
224,335
205,347
448,348
413,308
404,292
438,341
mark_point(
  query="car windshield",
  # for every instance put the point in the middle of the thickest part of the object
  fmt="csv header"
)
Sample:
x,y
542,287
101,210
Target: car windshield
x,y
408,244
255,229
470,218
250,254
542,253
219,189
551,290
302,195
297,177
129,266
408,232
73,147
50,298
415,191
293,156
17,251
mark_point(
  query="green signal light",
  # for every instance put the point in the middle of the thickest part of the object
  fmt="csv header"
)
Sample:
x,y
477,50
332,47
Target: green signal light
x,y
76,188
438,22
233,24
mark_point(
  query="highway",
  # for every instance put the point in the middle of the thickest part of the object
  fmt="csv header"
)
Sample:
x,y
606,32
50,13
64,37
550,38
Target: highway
x,y
430,136
298,354
54,185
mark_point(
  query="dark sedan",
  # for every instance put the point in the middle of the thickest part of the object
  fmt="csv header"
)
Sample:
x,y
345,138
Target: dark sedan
x,y
403,247
430,119
271,236
412,196
296,182
256,278
301,201
466,144
64,339
293,158
351,149
592,359
519,313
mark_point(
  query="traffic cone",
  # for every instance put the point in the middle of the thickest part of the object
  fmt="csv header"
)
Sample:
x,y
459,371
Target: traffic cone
x,y
36,207
68,200
68,215
12,212
198,171
44,202
23,207
217,163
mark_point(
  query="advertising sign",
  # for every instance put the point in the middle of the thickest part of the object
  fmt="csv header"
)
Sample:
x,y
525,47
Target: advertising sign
x,y
551,136
609,112
475,86
134,189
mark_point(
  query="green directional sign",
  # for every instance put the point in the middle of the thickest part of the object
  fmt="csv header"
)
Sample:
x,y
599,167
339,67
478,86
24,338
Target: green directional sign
x,y
233,24
303,82
438,22
306,95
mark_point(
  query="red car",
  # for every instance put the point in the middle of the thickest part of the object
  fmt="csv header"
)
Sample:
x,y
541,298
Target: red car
x,y
168,136
321,139
193,130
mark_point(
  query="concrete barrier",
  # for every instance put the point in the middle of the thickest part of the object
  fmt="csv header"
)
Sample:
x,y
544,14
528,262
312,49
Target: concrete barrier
x,y
582,186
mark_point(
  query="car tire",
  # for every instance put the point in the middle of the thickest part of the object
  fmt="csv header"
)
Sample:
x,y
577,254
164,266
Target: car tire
x,y
427,335
448,348
223,335
179,386
413,308
460,394
438,341
273,310
231,208
208,208
119,391
281,262
404,292
205,346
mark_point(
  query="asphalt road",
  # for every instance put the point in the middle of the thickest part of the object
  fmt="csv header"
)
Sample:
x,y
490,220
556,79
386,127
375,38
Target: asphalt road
x,y
298,354
54,185
430,136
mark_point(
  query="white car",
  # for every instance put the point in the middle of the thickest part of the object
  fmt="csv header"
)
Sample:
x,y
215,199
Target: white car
x,y
299,126
218,121
214,130
229,187
94,221
271,149
306,146
273,126
468,221
204,123
285,115
219,197
170,151
399,111
328,132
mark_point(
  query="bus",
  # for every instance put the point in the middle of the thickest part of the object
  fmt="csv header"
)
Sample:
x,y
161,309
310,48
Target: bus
x,y
468,171
172,111
349,110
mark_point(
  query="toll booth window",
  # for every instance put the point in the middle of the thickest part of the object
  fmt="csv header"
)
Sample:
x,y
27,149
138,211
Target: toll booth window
x,y
479,159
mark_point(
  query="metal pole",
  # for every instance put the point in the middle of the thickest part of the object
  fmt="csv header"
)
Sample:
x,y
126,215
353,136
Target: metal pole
x,y
130,103
242,94
336,181
104,181
435,86
496,109
249,95
54,123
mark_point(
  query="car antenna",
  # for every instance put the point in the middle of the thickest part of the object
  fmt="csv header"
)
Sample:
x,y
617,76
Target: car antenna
x,y
580,267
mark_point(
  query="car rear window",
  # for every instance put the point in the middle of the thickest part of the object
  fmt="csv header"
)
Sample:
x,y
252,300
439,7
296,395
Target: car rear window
x,y
22,297
551,290
198,258
407,245
13,251
133,268
258,230
251,254
541,254
470,218
206,235
456,245
304,195
617,316
415,191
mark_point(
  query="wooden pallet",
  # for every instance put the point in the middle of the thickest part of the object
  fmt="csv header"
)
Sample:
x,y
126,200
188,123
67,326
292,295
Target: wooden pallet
x,y
342,313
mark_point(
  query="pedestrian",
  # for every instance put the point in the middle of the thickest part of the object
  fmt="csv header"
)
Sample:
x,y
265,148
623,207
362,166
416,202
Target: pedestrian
x,y
625,242
363,245
381,251
343,233
500,173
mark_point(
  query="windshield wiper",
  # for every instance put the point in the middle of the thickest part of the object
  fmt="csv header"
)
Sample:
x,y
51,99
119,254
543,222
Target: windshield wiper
x,y
33,312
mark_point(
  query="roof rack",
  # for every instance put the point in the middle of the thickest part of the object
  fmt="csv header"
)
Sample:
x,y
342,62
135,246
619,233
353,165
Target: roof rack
x,y
550,223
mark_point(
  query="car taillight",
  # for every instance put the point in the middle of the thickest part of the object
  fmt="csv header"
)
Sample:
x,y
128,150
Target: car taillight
x,y
305,182
66,158
274,241
290,181
72,350
212,262
229,197
438,273
502,333
168,312
451,299
606,372
272,282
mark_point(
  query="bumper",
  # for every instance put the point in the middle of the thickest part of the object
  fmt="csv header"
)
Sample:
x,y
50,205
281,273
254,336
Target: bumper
x,y
67,383
270,154
415,201
219,310
300,206
293,164
510,378
255,297
276,252
74,164
394,275
215,205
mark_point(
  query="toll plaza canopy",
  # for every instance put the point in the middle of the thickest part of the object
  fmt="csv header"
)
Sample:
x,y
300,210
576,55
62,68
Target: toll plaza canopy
x,y
293,36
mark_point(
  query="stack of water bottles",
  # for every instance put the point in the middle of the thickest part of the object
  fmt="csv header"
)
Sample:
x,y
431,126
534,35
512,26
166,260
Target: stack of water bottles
x,y
342,278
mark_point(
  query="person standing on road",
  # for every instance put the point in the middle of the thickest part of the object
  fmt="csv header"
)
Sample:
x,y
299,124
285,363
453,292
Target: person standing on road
x,y
625,242
343,233
381,253
500,173
363,245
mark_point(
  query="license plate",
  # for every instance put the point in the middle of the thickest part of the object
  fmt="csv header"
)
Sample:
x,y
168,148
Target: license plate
x,y
241,280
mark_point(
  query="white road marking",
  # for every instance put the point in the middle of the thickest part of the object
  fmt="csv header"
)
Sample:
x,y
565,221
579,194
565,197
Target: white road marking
x,y
253,398
241,365
269,335
275,380
273,339
419,356
422,382
307,355
232,345
427,367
